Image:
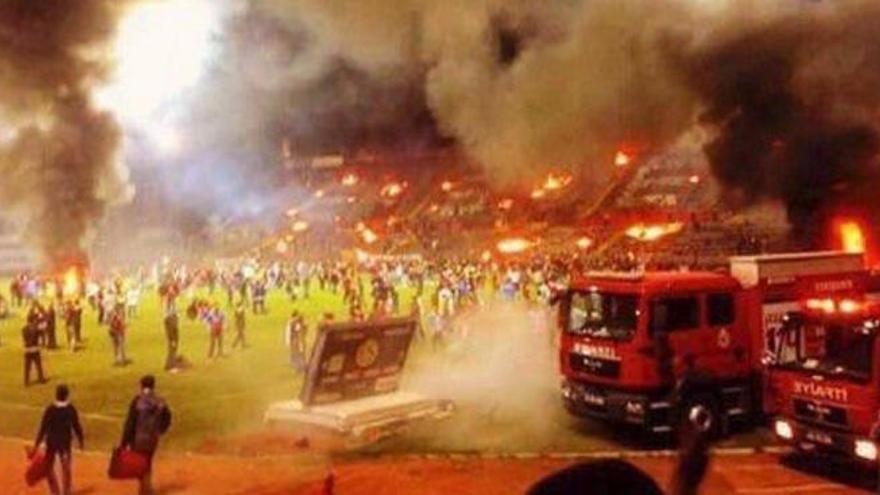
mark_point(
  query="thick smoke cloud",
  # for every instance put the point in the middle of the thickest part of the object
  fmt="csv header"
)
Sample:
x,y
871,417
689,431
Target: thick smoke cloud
x,y
521,86
787,88
794,102
58,160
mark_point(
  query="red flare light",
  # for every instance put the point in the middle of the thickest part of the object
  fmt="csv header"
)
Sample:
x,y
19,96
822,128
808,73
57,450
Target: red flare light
x,y
622,159
447,186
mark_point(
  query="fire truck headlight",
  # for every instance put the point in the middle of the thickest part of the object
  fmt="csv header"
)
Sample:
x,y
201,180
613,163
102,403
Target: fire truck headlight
x,y
783,429
866,449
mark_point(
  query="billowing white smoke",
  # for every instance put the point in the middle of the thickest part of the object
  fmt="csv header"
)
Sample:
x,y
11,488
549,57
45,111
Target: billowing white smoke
x,y
503,378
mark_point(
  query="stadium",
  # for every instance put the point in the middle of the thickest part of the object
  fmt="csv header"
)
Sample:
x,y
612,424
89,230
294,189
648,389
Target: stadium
x,y
407,247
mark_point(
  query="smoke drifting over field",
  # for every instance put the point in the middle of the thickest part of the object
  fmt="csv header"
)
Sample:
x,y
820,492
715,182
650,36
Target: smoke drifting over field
x,y
502,377
58,153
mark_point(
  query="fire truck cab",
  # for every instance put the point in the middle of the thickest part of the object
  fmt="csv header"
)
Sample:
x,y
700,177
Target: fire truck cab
x,y
650,348
827,394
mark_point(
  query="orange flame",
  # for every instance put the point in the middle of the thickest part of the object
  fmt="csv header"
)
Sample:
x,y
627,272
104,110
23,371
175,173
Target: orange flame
x,y
852,237
556,182
650,233
622,159
584,243
300,226
71,283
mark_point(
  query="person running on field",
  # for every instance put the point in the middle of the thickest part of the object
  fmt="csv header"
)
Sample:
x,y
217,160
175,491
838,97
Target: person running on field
x,y
60,423
148,419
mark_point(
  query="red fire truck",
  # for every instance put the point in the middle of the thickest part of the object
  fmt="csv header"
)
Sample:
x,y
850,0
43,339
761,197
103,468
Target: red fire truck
x,y
826,395
649,349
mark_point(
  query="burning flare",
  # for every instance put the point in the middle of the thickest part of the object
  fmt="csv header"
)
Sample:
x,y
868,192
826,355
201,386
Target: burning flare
x,y
852,238
556,182
650,233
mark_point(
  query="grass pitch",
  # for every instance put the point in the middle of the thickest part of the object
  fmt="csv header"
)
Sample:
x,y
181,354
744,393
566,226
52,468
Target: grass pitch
x,y
215,398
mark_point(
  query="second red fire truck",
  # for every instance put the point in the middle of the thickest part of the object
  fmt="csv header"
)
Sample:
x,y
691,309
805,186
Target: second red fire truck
x,y
649,349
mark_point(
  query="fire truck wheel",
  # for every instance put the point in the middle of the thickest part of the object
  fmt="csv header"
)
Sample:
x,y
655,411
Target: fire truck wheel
x,y
701,411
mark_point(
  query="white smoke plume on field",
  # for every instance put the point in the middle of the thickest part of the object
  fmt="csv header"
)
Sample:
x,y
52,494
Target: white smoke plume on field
x,y
503,379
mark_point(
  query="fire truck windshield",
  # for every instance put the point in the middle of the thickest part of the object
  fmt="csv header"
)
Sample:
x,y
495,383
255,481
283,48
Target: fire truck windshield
x,y
837,349
603,315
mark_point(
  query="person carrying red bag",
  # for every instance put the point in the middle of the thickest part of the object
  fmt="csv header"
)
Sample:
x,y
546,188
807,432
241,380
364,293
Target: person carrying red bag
x,y
148,419
60,423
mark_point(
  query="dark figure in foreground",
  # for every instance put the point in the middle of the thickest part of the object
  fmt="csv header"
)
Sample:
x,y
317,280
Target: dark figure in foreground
x,y
33,357
148,419
60,423
607,477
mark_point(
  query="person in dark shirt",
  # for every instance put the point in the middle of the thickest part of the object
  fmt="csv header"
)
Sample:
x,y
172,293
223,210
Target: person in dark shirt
x,y
240,327
172,335
73,323
32,354
51,327
148,418
60,423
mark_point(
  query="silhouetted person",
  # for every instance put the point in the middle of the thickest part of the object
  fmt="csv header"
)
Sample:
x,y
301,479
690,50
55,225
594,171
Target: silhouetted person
x,y
33,357
172,336
148,419
606,477
60,423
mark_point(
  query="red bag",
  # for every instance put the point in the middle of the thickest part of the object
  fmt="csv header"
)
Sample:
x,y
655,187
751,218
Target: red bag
x,y
127,465
38,467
